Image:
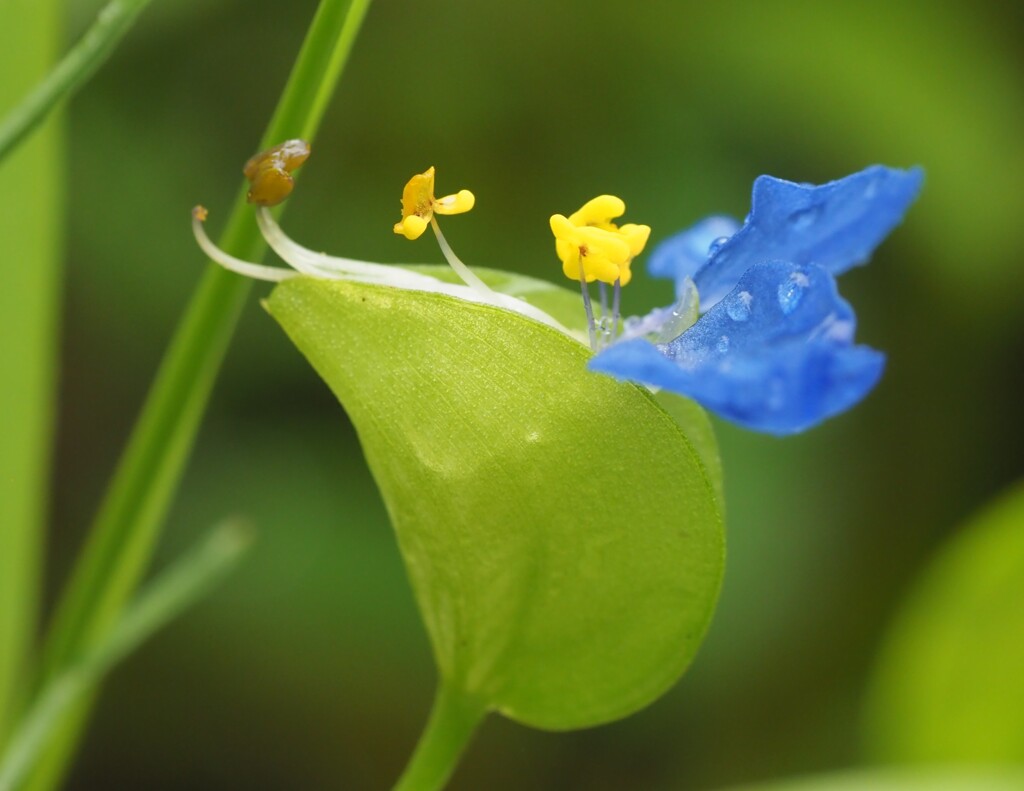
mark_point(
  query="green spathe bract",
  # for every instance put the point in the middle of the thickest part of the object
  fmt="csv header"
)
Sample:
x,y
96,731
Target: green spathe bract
x,y
560,531
949,686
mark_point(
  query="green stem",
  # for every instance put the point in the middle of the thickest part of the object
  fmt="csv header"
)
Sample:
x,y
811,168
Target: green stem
x,y
31,210
74,69
453,721
122,538
177,589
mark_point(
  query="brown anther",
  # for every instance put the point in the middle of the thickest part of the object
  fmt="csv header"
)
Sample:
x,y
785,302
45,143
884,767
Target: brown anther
x,y
269,172
199,213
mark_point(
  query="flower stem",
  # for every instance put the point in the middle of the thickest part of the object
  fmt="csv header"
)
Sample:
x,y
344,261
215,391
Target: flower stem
x,y
73,70
122,538
453,721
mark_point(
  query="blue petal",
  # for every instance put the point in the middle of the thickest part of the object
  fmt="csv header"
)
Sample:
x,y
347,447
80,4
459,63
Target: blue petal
x,y
680,256
837,225
776,355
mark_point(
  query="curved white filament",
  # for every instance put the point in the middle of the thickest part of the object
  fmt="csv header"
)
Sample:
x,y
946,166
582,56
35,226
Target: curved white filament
x,y
274,274
321,265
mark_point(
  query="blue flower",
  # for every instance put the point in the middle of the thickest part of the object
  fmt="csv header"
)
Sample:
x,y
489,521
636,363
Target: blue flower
x,y
774,352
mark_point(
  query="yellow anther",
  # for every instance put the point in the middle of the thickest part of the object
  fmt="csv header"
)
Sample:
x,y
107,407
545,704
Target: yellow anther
x,y
269,172
603,255
419,204
586,237
635,236
599,212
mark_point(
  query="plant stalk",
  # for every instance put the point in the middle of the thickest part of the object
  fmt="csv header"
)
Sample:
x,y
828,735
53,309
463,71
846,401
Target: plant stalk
x,y
453,721
75,68
121,541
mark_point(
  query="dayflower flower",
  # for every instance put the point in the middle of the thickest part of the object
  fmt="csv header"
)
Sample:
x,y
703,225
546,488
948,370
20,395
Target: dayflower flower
x,y
774,352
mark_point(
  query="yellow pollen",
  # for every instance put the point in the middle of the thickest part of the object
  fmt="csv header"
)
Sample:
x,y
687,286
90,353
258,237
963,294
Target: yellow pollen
x,y
419,204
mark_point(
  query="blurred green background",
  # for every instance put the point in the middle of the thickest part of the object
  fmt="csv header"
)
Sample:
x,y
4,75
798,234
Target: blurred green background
x,y
310,669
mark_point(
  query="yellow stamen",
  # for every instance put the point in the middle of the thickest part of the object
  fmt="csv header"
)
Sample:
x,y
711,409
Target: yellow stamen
x,y
601,254
583,239
419,204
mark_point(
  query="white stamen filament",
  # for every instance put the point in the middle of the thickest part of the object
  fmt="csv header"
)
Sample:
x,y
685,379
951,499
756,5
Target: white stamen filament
x,y
616,297
274,274
309,262
455,262
591,329
321,265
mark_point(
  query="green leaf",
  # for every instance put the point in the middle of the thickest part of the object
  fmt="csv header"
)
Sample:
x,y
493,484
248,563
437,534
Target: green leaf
x,y
566,306
943,779
696,425
562,304
127,526
949,685
73,70
166,598
560,531
31,228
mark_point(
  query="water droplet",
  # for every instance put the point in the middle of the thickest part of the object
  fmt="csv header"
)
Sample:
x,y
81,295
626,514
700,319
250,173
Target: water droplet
x,y
738,306
723,344
682,316
792,291
804,218
717,245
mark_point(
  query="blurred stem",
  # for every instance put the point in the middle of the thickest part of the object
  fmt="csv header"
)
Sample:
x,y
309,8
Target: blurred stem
x,y
453,721
31,228
74,69
122,538
175,590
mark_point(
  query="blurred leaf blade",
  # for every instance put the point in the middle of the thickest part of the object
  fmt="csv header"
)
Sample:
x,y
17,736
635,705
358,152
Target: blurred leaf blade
x,y
924,779
560,532
125,530
949,685
70,73
177,589
31,227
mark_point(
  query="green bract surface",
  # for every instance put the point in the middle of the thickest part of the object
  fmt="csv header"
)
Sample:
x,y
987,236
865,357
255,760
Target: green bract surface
x,y
560,531
566,306
950,683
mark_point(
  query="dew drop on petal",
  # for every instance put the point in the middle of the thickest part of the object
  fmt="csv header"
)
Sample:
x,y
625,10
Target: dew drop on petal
x,y
723,344
791,292
717,245
738,306
804,218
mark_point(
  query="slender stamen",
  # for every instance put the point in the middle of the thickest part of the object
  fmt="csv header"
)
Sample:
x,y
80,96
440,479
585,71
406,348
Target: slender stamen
x,y
317,264
592,331
329,267
455,263
603,291
616,294
237,265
